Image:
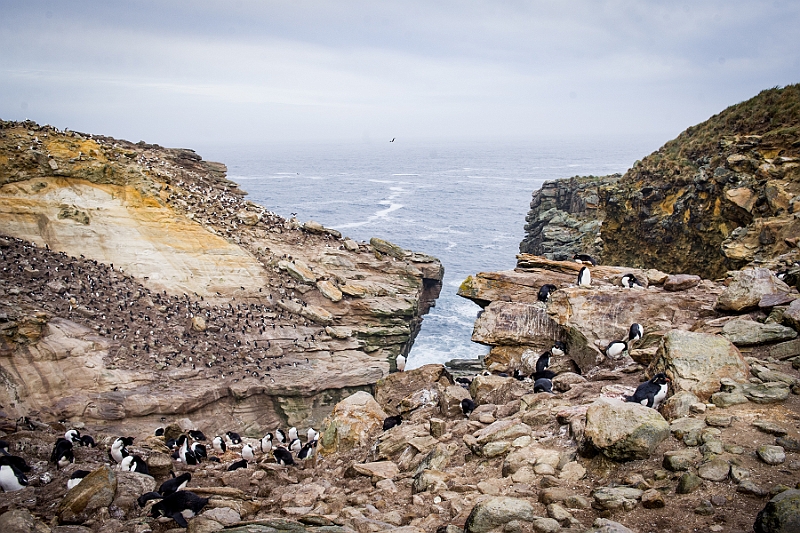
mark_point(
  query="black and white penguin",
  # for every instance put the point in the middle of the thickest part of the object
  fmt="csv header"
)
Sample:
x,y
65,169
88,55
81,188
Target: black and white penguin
x,y
629,281
615,348
391,421
283,456
545,291
248,454
234,437
134,463
186,455
62,454
280,436
584,277
13,460
464,382
311,435
295,445
159,432
76,477
196,434
543,385
73,435
179,506
543,362
635,333
88,441
147,496
652,392
236,465
467,406
118,451
544,374
266,443
219,444
173,485
293,434
307,451
400,362
11,478
584,259
199,450
558,349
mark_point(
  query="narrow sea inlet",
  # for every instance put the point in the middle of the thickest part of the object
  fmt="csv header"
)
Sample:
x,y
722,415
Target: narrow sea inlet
x,y
462,202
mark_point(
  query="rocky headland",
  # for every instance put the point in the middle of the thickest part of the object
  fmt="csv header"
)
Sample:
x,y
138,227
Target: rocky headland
x,y
474,447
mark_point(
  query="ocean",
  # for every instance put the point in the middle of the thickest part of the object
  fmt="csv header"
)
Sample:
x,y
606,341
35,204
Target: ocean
x,y
462,202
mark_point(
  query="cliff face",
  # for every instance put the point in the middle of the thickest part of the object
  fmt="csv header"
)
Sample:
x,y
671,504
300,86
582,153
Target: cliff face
x,y
723,194
138,282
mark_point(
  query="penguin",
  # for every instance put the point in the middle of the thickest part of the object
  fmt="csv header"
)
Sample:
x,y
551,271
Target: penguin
x,y
11,478
295,445
400,362
636,332
173,485
543,362
293,434
248,454
464,382
118,451
147,496
584,277
652,392
307,451
629,281
62,454
88,441
76,477
544,292
73,435
199,450
196,434
138,465
266,443
241,463
159,432
234,437
280,436
184,453
543,385
467,406
311,435
615,348
218,444
558,349
283,456
585,259
170,444
179,506
391,421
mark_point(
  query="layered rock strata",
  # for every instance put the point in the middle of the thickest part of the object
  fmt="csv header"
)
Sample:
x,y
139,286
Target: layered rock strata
x,y
139,283
724,194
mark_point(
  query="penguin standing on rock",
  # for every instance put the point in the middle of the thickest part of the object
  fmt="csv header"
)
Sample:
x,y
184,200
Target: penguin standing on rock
x,y
401,363
543,385
11,478
584,277
585,259
467,406
558,349
635,333
391,421
173,485
179,506
283,456
266,443
218,444
118,451
544,292
76,477
615,348
248,454
629,281
234,437
62,454
651,393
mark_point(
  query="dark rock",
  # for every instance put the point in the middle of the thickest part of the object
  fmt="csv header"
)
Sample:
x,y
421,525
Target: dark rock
x,y
688,483
780,515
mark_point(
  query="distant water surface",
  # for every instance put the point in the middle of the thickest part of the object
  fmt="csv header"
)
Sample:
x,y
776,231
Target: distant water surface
x,y
463,202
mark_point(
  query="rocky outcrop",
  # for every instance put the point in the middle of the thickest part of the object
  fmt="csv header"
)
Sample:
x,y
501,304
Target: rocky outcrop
x,y
140,283
725,193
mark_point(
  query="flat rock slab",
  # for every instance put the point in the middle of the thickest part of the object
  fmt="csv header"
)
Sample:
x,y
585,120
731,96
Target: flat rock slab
x,y
747,289
714,470
742,332
379,470
772,455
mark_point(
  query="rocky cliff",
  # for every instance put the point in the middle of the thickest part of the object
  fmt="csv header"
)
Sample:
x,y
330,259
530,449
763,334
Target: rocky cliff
x,y
139,283
722,195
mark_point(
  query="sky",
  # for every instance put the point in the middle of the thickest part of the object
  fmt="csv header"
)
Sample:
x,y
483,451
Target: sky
x,y
178,73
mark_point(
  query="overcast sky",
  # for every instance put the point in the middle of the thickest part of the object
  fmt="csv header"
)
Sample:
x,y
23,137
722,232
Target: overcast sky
x,y
178,73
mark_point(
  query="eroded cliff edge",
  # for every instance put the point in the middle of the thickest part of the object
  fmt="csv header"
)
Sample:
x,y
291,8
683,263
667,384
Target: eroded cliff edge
x,y
722,195
138,282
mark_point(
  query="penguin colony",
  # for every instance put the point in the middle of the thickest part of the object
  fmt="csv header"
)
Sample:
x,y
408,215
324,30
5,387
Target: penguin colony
x,y
650,393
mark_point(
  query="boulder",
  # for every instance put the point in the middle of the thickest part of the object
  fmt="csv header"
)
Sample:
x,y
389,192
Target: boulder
x,y
743,332
496,390
681,282
716,469
696,362
93,493
377,471
679,405
781,514
450,400
613,498
21,521
353,422
395,387
507,429
747,289
604,525
329,290
624,431
772,455
495,512
791,317
131,485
